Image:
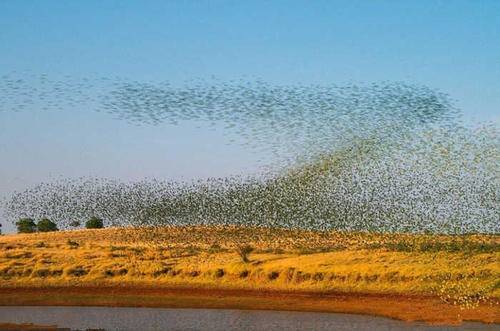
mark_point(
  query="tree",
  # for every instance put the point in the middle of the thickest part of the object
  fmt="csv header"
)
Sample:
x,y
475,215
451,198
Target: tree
x,y
74,224
46,225
243,251
94,223
26,225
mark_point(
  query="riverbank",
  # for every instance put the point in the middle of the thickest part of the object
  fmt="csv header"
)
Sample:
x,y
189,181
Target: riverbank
x,y
438,279
403,307
29,326
139,318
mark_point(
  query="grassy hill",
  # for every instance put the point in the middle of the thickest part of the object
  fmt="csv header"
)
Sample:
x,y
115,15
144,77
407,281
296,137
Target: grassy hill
x,y
461,270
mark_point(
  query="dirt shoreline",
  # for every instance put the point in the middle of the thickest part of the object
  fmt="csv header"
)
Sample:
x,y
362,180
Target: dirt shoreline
x,y
30,326
402,307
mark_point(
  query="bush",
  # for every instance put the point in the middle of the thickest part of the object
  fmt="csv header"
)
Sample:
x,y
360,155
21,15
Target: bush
x,y
46,225
244,251
94,223
26,225
72,244
219,273
75,224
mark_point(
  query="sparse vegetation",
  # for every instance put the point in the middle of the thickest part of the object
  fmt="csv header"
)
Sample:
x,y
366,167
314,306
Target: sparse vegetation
x,y
243,251
94,223
77,271
219,273
350,262
72,244
40,244
46,225
26,225
74,224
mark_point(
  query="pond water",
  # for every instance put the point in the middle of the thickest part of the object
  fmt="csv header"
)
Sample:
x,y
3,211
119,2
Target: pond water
x,y
107,318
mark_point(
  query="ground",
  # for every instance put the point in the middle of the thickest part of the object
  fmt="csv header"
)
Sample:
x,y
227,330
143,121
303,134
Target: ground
x,y
441,279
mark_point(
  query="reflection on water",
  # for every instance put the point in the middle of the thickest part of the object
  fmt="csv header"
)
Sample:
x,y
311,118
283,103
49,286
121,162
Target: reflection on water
x,y
207,319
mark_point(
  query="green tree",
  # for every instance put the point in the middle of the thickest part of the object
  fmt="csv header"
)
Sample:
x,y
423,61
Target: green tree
x,y
26,225
74,224
46,225
94,223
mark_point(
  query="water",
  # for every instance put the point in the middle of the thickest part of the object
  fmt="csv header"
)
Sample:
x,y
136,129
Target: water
x,y
207,319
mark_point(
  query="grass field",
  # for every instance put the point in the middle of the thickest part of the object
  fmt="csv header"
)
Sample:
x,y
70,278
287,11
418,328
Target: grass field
x,y
461,271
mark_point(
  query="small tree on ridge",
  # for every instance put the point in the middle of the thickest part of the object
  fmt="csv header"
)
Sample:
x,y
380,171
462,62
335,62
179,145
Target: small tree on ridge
x,y
46,225
94,223
26,225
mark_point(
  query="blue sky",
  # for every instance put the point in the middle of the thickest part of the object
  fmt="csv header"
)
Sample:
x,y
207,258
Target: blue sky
x,y
453,46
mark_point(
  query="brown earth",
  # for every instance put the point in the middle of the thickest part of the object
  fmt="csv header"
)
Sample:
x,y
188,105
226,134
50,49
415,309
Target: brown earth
x,y
403,307
29,326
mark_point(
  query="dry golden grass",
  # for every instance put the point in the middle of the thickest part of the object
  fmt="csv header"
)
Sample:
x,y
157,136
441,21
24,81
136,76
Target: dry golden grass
x,y
461,270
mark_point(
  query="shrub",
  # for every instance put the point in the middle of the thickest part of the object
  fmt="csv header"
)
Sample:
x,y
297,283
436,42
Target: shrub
x,y
75,224
26,225
94,223
77,271
46,225
400,246
244,251
42,273
219,273
273,275
215,248
72,244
